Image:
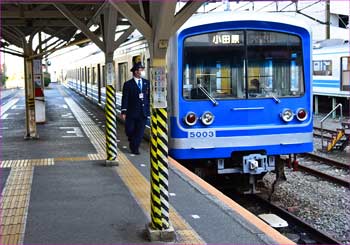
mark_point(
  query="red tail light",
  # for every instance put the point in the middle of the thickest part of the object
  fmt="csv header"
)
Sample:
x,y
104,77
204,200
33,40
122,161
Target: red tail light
x,y
301,114
190,118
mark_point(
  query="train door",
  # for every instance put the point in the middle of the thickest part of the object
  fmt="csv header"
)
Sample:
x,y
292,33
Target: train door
x,y
122,75
103,84
345,73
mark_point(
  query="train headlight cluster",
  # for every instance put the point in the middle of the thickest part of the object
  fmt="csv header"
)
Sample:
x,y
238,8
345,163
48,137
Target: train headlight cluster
x,y
301,114
190,118
287,115
207,118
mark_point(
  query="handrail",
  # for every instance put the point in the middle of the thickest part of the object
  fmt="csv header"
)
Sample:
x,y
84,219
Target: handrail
x,y
330,113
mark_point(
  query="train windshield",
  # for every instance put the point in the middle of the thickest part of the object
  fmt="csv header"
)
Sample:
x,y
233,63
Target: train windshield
x,y
242,65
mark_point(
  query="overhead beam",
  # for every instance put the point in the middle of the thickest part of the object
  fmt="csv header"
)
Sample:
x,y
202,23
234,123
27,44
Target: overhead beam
x,y
12,38
134,18
185,13
45,23
34,23
80,25
123,37
47,14
108,27
95,18
10,52
21,2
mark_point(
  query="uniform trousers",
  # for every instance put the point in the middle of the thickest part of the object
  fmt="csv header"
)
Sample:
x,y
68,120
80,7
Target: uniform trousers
x,y
134,129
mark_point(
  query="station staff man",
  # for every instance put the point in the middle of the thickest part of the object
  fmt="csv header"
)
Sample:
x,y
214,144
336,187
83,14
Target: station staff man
x,y
135,106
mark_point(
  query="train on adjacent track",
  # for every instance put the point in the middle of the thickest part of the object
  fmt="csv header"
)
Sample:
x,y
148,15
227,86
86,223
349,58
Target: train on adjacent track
x,y
239,90
331,75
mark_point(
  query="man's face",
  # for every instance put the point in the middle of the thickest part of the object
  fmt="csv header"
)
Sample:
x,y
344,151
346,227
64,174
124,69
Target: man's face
x,y
138,72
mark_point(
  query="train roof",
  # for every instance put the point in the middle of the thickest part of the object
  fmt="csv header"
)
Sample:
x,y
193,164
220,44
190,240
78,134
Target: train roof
x,y
217,17
330,46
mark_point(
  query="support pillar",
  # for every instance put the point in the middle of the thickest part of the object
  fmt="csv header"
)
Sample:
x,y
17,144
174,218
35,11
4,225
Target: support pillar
x,y
316,105
160,228
31,130
334,103
110,112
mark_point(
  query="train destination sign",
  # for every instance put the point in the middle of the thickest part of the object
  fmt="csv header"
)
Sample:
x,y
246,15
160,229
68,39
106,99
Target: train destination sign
x,y
225,39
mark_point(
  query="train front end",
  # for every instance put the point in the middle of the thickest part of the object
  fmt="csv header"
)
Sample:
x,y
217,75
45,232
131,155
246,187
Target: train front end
x,y
241,93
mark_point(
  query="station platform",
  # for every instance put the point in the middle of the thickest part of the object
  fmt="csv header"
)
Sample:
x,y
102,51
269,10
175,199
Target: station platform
x,y
57,189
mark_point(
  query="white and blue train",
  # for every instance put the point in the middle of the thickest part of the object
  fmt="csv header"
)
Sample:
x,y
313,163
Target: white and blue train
x,y
331,69
331,75
239,92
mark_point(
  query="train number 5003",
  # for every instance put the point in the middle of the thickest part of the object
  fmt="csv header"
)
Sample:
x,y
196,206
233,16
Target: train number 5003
x,y
201,134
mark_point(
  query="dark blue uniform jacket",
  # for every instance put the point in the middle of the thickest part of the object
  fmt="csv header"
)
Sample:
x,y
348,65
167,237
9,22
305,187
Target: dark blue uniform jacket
x,y
132,105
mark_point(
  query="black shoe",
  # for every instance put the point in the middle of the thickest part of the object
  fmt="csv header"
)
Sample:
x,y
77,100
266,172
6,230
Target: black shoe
x,y
135,152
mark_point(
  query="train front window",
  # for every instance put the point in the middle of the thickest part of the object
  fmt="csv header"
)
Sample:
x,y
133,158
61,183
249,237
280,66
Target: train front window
x,y
242,64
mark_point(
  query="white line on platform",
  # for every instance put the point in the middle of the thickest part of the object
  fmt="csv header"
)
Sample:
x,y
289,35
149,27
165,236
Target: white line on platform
x,y
8,105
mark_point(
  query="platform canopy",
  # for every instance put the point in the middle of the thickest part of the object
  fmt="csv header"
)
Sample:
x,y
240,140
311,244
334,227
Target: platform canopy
x,y
67,23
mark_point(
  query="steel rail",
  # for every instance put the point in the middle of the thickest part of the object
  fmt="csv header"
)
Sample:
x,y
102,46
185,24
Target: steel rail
x,y
328,161
334,179
321,237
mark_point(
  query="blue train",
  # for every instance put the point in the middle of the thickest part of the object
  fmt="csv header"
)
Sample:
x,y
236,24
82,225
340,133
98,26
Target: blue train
x,y
239,90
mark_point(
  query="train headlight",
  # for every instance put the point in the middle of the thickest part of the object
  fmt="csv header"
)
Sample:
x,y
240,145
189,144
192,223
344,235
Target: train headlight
x,y
301,114
287,115
207,118
190,118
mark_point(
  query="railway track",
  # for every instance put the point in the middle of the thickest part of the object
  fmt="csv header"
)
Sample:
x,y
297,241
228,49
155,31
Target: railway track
x,y
326,168
298,230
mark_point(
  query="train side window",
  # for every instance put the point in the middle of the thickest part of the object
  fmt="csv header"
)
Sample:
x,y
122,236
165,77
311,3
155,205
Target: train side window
x,y
88,75
93,80
122,75
322,67
345,73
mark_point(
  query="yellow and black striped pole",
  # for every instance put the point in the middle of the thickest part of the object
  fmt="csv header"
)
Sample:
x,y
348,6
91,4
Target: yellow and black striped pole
x,y
156,206
111,126
159,153
162,157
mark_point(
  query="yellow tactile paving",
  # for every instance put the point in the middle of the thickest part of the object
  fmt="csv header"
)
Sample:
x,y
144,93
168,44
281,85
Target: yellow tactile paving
x,y
70,159
26,163
140,188
97,156
15,202
91,130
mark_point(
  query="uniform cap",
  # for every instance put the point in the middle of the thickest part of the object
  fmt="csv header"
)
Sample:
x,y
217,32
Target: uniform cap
x,y
137,66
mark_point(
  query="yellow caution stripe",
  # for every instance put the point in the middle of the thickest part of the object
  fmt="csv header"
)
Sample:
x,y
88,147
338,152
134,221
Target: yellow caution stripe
x,y
111,123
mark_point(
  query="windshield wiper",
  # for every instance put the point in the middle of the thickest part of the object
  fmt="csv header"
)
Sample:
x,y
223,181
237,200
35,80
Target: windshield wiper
x,y
211,98
277,100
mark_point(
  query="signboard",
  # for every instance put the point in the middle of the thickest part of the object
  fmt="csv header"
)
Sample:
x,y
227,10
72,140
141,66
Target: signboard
x,y
110,73
159,87
37,69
